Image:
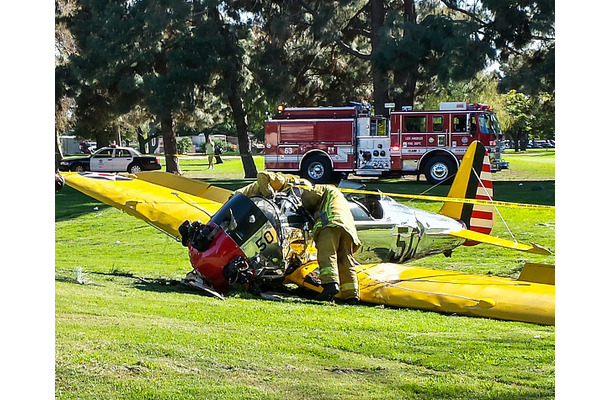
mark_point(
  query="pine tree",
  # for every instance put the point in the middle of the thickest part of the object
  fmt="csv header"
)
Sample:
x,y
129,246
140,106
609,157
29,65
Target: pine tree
x,y
229,64
405,43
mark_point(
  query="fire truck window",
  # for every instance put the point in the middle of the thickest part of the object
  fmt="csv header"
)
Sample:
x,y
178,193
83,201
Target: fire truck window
x,y
438,123
484,123
495,125
414,124
459,123
378,128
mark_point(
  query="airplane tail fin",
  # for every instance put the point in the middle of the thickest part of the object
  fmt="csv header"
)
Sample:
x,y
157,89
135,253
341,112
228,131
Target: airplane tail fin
x,y
472,181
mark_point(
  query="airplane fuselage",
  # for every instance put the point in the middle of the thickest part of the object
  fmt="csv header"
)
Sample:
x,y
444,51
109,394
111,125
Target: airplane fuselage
x,y
402,233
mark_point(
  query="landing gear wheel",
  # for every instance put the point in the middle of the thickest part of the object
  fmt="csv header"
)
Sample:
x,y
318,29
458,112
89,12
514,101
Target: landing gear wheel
x,y
317,169
440,169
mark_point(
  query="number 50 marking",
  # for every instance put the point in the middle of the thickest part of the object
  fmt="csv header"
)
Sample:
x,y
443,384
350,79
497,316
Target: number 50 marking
x,y
267,238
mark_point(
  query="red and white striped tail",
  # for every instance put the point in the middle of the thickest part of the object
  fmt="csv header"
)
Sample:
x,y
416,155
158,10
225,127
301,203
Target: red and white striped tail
x,y
472,181
483,216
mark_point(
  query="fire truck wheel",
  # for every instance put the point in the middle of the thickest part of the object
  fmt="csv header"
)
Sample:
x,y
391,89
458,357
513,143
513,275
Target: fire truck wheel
x,y
440,169
317,169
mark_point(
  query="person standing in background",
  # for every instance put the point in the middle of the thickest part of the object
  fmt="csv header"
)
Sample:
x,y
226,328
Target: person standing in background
x,y
209,151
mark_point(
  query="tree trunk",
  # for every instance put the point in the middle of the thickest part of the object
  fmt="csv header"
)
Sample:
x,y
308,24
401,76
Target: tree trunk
x,y
169,143
236,101
406,95
141,141
406,80
170,147
241,122
116,133
378,72
58,153
144,142
101,139
523,141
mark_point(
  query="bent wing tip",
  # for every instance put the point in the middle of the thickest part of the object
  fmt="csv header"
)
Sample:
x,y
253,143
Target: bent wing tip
x,y
537,249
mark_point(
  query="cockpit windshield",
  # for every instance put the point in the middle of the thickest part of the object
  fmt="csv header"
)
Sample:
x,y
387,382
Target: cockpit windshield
x,y
240,218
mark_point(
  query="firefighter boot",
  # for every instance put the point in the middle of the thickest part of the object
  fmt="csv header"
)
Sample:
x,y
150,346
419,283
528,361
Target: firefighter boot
x,y
352,301
329,290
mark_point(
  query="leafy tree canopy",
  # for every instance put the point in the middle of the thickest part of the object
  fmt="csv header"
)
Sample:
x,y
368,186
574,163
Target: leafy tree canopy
x,y
203,64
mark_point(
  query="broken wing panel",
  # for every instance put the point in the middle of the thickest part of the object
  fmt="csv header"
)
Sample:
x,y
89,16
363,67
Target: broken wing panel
x,y
156,200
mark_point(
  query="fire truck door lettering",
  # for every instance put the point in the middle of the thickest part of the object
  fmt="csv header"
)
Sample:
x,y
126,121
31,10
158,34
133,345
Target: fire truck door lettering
x,y
413,141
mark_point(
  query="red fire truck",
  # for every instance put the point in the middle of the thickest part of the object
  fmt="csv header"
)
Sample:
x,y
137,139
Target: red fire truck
x,y
321,142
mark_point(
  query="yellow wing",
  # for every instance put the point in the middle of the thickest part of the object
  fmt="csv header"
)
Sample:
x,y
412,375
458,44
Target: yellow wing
x,y
162,199
483,238
400,285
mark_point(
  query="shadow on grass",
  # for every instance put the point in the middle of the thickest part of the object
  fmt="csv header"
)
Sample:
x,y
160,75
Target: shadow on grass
x,y
279,293
531,192
163,285
160,285
70,203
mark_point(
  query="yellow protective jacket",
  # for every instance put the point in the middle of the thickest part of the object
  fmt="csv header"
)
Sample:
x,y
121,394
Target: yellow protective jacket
x,y
269,182
330,208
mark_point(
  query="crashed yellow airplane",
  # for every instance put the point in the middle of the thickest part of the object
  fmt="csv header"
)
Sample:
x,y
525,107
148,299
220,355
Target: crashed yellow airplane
x,y
264,242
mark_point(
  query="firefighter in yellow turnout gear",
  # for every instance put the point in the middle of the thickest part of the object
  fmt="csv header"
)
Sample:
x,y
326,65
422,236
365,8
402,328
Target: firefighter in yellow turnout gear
x,y
336,240
334,231
269,182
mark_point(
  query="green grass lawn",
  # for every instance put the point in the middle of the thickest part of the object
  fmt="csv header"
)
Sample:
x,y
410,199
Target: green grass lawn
x,y
130,330
530,165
